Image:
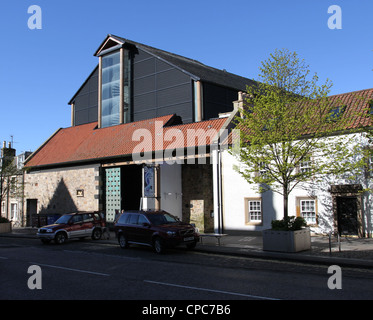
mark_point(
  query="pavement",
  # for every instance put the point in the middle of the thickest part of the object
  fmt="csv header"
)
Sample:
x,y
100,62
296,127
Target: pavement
x,y
345,251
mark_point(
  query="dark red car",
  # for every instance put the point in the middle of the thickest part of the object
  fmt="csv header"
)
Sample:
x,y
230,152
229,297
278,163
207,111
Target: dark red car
x,y
73,225
157,229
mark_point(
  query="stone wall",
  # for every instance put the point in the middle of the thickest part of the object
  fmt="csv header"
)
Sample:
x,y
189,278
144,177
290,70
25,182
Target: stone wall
x,y
64,190
197,188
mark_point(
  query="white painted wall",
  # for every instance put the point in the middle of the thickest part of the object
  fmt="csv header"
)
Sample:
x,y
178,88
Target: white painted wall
x,y
236,189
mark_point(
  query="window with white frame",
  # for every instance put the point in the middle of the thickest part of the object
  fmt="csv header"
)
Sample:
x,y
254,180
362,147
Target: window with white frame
x,y
262,170
308,210
253,210
13,211
305,165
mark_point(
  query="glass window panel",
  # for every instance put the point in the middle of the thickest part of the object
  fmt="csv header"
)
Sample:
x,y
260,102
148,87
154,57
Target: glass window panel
x,y
308,211
110,89
255,212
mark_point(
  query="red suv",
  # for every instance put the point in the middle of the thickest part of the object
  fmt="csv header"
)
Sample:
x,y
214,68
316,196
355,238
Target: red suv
x,y
73,225
157,229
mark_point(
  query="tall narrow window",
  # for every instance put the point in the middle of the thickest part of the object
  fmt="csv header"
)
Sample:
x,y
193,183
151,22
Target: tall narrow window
x,y
305,165
110,89
13,211
127,87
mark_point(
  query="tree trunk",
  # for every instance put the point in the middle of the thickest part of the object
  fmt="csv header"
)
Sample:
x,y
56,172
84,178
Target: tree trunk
x,y
286,196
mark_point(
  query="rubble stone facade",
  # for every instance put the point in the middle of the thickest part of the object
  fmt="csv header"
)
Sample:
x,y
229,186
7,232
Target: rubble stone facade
x,y
64,190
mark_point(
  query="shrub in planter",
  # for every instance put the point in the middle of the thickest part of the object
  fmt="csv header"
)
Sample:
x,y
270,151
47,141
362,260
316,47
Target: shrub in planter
x,y
5,225
4,220
289,224
287,235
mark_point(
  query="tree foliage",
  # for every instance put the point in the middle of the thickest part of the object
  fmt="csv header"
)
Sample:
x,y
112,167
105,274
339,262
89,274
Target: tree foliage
x,y
289,131
9,173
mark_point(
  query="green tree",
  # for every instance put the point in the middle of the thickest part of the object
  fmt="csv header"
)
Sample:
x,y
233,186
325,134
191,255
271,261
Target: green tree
x,y
289,130
9,184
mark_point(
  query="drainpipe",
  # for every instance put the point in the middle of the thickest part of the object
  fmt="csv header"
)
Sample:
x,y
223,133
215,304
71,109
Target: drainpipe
x,y
219,189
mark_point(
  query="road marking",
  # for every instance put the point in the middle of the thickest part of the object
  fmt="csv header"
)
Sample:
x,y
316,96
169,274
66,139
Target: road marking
x,y
71,269
5,258
211,290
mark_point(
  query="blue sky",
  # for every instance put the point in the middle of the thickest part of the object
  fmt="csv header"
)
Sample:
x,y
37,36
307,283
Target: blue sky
x,y
40,70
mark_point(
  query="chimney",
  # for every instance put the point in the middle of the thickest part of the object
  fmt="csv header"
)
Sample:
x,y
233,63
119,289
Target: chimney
x,y
8,153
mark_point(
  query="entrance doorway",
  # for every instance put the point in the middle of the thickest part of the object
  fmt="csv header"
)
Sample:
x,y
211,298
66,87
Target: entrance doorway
x,y
123,189
347,209
31,211
347,216
131,183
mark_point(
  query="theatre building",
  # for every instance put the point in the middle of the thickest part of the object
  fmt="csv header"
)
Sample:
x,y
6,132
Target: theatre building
x,y
144,126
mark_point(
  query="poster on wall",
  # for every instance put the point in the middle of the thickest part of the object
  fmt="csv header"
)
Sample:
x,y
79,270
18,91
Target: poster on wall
x,y
149,191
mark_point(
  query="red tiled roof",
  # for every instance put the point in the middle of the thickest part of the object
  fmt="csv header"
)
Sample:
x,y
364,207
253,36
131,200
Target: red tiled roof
x,y
357,107
86,142
356,114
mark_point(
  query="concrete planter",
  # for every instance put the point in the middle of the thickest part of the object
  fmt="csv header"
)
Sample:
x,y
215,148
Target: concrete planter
x,y
5,227
286,241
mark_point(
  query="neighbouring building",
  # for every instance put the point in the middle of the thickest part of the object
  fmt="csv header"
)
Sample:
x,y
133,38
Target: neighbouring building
x,y
12,184
333,205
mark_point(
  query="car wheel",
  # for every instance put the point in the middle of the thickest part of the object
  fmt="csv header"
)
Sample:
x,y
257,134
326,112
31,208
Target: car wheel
x,y
123,242
60,238
96,234
192,245
158,245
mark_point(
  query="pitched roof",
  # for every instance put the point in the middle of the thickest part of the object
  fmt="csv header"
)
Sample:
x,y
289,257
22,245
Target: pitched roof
x,y
194,67
86,143
357,107
357,113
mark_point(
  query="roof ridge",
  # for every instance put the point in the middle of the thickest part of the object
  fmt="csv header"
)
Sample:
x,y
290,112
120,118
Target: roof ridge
x,y
171,54
351,92
154,48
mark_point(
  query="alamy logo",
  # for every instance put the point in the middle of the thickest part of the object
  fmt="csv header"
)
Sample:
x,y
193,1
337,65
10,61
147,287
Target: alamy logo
x,y
335,281
34,281
34,21
335,20
173,145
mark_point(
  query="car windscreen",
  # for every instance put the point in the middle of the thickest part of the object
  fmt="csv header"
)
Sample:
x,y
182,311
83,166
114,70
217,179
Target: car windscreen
x,y
161,218
63,220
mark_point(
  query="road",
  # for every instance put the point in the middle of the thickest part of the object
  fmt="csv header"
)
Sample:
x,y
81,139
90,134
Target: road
x,y
99,270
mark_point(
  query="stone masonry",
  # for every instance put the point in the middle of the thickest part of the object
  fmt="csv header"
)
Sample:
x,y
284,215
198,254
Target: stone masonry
x,y
64,190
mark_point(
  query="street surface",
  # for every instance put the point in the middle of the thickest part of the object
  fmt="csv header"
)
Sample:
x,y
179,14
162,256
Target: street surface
x,y
86,269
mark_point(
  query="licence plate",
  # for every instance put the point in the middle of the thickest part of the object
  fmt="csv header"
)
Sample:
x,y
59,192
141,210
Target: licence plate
x,y
189,239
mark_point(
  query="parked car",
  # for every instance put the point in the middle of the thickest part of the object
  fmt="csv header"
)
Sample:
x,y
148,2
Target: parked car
x,y
73,225
157,229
